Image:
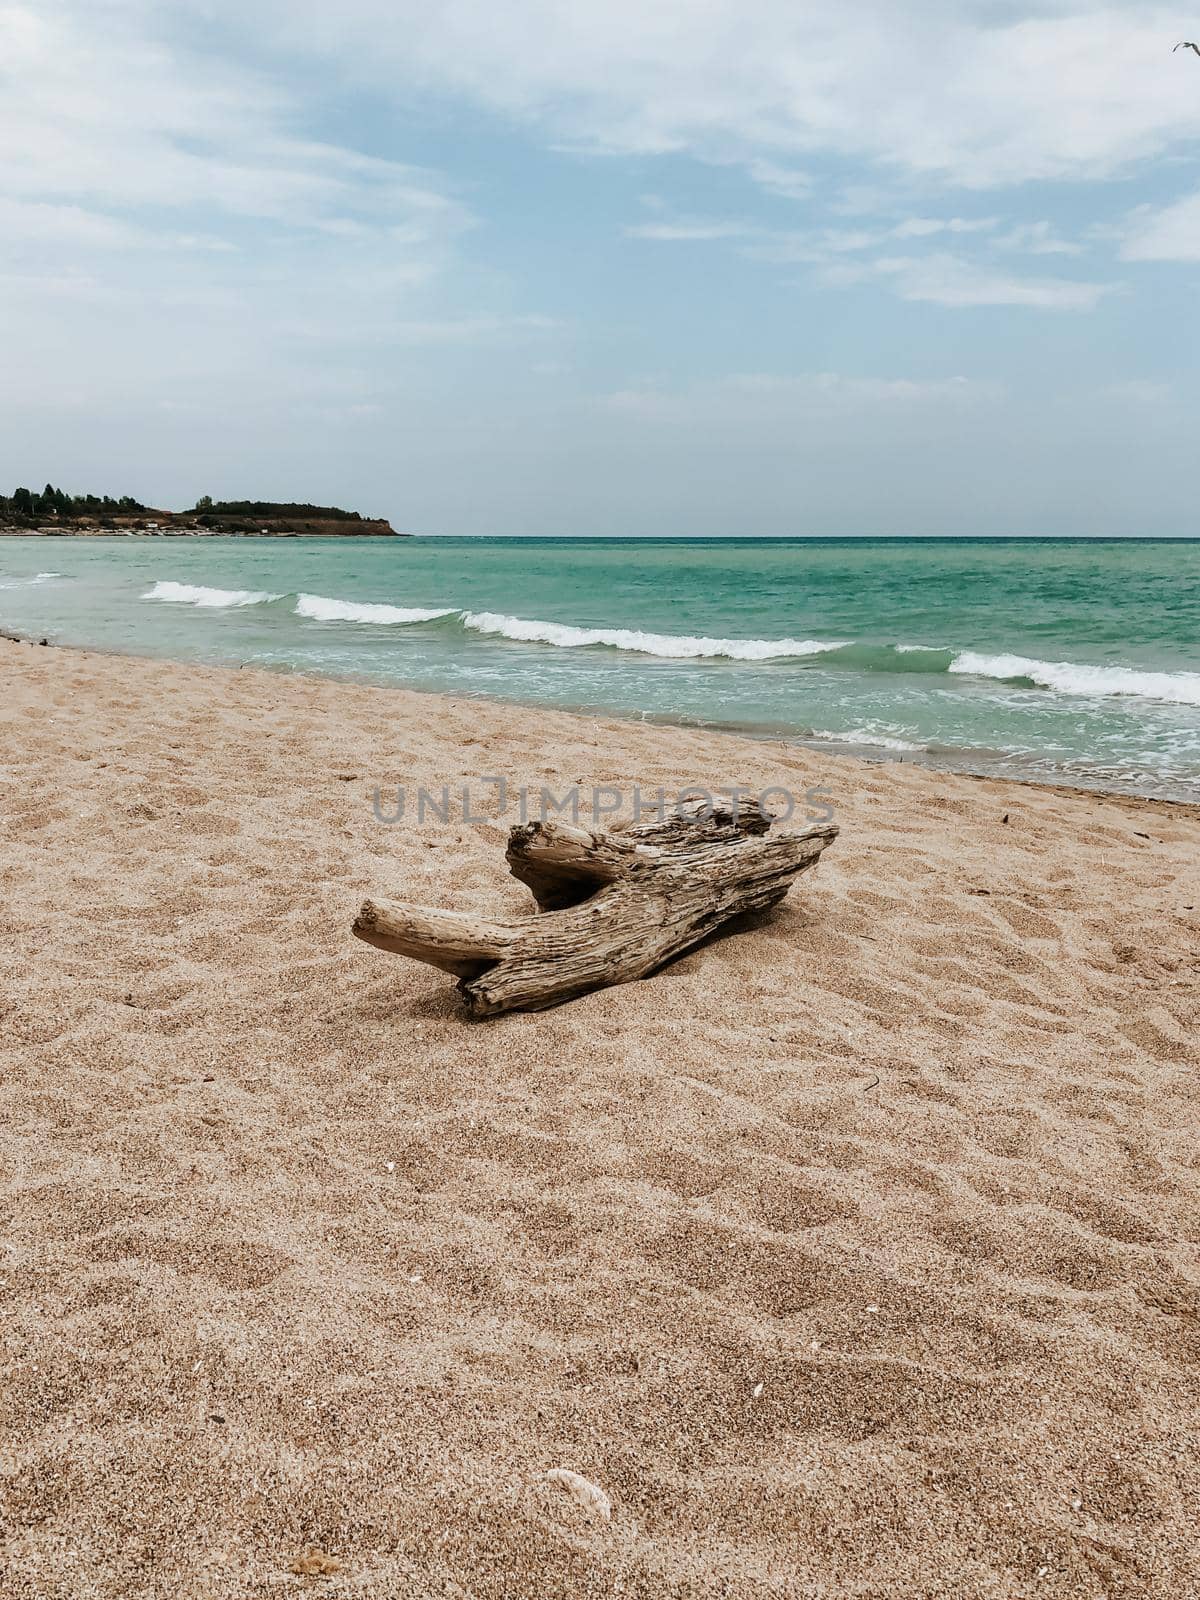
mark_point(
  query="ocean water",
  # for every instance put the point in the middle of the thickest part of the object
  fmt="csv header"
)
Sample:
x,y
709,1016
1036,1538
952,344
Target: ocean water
x,y
1069,661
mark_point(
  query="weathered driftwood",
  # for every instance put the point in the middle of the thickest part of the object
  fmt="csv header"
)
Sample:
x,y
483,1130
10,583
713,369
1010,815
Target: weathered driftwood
x,y
613,906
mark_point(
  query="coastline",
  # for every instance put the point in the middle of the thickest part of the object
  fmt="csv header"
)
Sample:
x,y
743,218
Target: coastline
x,y
947,761
365,529
874,1215
937,681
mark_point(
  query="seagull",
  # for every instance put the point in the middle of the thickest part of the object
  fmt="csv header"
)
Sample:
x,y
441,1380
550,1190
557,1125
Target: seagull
x,y
1186,44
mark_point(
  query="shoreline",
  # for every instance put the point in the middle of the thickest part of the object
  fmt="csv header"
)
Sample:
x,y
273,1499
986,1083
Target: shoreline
x,y
866,754
636,539
198,533
997,700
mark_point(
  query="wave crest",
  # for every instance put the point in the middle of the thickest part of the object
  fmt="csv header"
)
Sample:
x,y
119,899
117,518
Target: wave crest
x,y
1069,677
198,594
1062,677
669,646
320,608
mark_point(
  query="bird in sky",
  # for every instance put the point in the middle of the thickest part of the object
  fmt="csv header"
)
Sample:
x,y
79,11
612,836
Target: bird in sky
x,y
1186,44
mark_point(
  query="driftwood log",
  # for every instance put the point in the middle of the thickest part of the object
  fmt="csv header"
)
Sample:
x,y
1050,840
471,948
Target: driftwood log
x,y
612,906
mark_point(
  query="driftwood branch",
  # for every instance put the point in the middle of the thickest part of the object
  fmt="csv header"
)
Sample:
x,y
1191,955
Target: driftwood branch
x,y
613,906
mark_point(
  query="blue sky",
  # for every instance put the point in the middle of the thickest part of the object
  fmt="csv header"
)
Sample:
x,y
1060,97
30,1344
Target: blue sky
x,y
693,266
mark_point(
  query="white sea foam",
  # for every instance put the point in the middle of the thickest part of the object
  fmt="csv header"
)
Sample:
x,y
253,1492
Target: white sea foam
x,y
670,646
1064,677
29,583
197,594
1069,677
864,736
320,608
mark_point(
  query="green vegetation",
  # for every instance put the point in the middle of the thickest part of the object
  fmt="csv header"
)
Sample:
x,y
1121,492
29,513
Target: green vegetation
x,y
52,502
274,508
28,507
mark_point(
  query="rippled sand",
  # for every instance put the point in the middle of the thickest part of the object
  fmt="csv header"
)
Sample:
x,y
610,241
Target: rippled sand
x,y
856,1254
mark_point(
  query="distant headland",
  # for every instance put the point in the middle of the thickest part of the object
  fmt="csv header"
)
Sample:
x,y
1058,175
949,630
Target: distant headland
x,y
55,513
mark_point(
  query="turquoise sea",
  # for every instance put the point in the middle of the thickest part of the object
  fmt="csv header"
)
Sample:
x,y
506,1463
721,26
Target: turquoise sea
x,y
1075,661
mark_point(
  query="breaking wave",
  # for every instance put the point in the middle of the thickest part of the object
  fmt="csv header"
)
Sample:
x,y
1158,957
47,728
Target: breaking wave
x,y
1061,677
197,594
668,646
1068,677
322,609
1181,688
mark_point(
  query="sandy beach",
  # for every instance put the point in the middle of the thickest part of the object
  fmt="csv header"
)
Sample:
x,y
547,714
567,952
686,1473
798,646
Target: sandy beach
x,y
853,1255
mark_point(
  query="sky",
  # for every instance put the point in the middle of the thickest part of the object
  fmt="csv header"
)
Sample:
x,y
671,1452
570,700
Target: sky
x,y
742,267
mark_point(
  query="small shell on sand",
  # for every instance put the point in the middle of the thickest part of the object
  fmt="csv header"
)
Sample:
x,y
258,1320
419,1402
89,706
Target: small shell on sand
x,y
587,1494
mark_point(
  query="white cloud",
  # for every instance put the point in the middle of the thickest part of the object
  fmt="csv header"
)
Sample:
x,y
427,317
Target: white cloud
x,y
949,280
966,92
41,222
34,222
99,117
843,257
181,234
1038,239
1169,234
818,246
790,182
926,227
840,256
163,219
